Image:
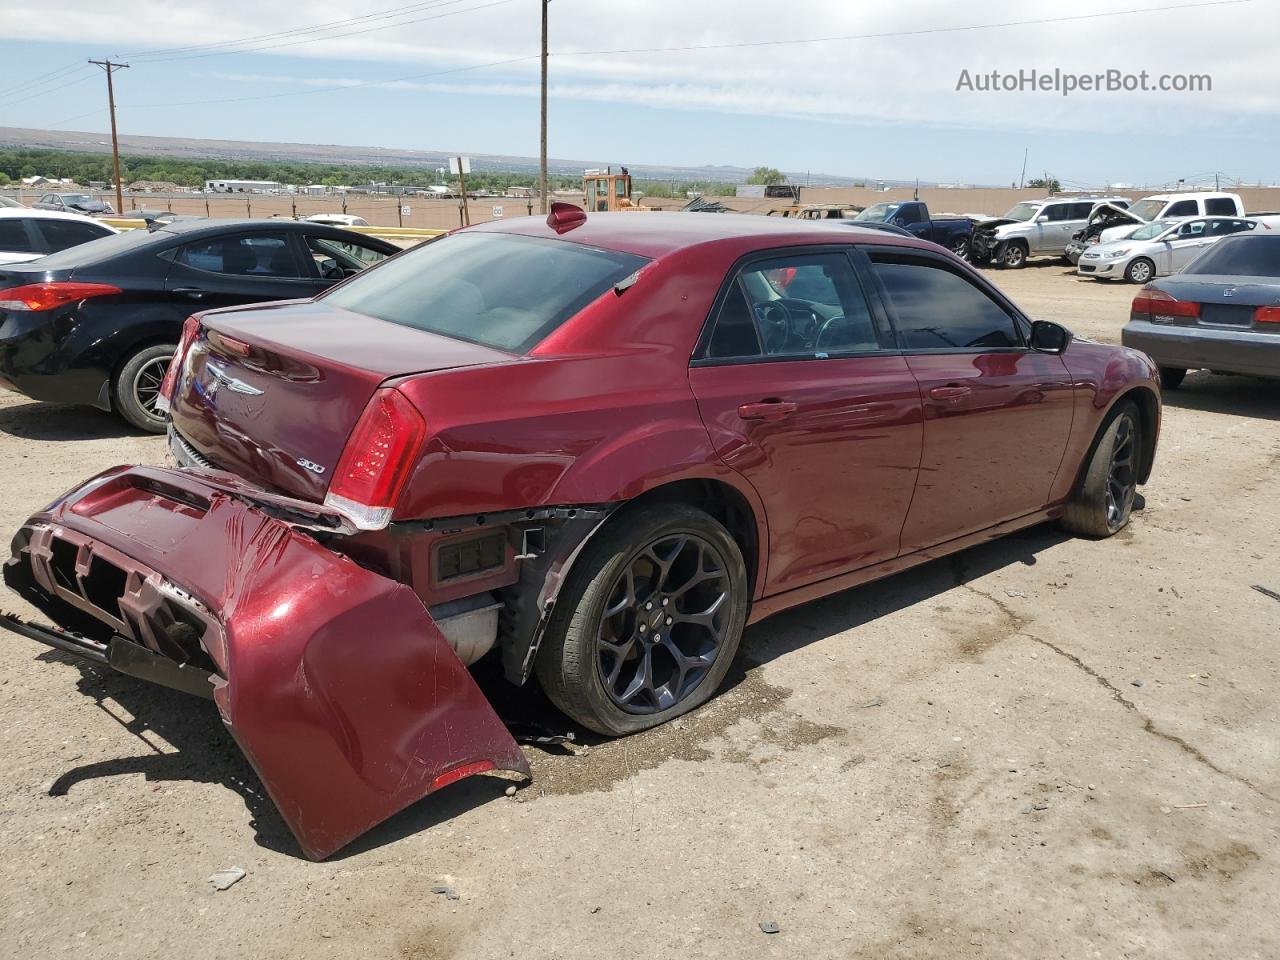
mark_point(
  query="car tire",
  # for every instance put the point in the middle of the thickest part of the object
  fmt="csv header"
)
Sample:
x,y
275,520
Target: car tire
x,y
1171,377
138,383
1103,500
1015,256
591,659
1140,270
960,247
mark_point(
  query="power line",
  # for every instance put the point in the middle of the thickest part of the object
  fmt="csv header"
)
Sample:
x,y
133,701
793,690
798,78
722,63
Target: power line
x,y
43,93
44,78
337,36
336,89
394,11
901,33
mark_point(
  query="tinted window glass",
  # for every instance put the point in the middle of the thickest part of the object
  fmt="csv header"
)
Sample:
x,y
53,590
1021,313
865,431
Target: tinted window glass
x,y
798,306
1183,208
1057,212
1081,211
13,237
1249,256
910,213
1220,206
337,259
496,289
936,309
61,234
256,255
1195,228
1221,228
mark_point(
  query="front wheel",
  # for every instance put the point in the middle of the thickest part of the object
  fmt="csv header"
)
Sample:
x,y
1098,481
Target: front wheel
x,y
137,387
960,247
1103,502
649,621
1140,270
1015,256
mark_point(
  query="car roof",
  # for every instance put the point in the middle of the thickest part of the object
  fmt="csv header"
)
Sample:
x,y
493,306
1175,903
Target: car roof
x,y
34,214
656,234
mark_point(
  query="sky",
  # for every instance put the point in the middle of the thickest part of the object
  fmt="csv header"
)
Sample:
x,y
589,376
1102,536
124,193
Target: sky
x,y
878,98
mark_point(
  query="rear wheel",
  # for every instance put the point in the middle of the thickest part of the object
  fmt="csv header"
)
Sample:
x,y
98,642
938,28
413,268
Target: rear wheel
x,y
1171,377
649,621
137,386
1103,502
1140,270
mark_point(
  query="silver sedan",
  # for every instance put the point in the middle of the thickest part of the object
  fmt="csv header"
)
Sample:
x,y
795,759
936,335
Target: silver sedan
x,y
1158,248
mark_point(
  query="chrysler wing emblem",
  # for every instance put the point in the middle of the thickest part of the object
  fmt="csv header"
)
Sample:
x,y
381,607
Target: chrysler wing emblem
x,y
230,382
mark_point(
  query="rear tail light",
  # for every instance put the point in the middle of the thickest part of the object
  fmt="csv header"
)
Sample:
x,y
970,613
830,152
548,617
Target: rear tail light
x,y
1266,315
169,384
1158,304
377,460
37,297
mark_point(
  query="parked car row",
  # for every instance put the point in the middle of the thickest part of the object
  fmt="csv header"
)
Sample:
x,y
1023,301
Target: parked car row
x,y
97,323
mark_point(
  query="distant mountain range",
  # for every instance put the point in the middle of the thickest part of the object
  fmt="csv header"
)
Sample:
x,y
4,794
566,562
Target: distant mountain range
x,y
193,149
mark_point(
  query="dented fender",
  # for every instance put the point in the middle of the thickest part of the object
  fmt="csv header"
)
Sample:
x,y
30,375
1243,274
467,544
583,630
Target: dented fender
x,y
333,680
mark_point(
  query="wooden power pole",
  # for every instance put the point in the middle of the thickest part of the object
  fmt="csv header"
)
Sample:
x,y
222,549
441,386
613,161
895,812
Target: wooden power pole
x,y
108,66
542,151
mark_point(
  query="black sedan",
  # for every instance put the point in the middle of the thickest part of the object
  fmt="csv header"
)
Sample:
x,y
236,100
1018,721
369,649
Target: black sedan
x,y
97,324
1220,313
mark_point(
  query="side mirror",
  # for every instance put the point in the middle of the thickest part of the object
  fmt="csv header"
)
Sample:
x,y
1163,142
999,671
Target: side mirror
x,y
1043,218
1049,337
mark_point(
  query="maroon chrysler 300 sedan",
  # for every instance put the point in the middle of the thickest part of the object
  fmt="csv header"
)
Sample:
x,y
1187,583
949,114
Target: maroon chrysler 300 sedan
x,y
593,447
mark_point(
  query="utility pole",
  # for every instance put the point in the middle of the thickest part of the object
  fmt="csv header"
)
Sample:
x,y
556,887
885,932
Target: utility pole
x,y
108,66
1023,179
542,152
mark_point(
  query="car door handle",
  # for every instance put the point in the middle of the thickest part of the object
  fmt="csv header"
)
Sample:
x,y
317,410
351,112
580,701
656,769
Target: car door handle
x,y
767,410
951,392
195,293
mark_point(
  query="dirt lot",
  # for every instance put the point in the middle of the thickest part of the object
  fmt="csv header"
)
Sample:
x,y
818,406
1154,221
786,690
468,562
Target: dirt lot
x,y
1044,747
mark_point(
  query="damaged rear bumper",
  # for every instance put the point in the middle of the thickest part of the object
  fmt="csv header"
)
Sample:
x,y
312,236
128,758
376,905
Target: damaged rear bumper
x,y
334,681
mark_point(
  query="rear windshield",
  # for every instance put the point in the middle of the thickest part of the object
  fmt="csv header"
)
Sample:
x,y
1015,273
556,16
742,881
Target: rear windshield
x,y
494,289
1251,256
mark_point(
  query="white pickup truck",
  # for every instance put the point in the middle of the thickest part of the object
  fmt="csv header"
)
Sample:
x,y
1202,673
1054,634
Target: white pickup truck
x,y
1111,222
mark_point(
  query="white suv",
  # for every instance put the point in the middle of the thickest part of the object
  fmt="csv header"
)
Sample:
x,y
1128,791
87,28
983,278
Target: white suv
x,y
1034,228
1175,206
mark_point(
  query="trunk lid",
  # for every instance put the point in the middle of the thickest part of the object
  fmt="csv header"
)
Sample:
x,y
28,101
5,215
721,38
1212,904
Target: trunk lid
x,y
272,392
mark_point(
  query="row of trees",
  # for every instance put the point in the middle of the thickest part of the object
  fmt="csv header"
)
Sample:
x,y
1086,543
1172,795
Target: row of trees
x,y
85,168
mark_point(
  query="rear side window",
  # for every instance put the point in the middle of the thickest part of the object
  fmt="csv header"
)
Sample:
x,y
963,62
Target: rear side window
x,y
1220,206
1081,211
1221,228
797,305
61,234
1183,208
1254,255
1058,212
494,289
256,255
937,309
13,237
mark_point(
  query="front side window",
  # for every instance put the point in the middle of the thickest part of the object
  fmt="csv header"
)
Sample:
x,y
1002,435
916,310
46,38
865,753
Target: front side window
x,y
935,308
337,259
798,305
62,234
494,289
1189,231
255,255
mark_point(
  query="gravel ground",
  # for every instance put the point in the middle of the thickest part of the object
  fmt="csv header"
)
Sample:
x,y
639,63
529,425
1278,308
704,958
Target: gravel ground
x,y
1043,747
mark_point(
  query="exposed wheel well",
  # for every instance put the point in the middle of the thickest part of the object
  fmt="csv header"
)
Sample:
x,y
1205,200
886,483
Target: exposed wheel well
x,y
1149,409
724,503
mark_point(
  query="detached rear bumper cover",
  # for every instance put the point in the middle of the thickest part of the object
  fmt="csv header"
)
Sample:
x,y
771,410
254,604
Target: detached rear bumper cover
x,y
334,681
